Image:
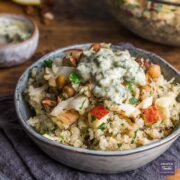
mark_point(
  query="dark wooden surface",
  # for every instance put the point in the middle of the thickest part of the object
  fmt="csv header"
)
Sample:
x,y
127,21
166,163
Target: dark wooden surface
x,y
78,21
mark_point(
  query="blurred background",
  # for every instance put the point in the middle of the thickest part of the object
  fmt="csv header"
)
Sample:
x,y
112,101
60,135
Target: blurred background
x,y
67,22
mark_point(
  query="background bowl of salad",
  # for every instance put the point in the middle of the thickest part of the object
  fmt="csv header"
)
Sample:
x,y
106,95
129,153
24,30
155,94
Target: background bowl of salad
x,y
155,20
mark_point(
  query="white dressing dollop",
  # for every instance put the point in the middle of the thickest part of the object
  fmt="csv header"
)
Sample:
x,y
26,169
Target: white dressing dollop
x,y
107,70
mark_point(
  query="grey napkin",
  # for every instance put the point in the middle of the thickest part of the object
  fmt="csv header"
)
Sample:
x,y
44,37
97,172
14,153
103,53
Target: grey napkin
x,y
20,158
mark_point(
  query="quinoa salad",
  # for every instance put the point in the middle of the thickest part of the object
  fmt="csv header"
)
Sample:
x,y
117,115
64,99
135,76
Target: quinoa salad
x,y
153,20
102,98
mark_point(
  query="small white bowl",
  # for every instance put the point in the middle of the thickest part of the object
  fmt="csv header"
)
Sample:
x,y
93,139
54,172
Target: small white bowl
x,y
17,53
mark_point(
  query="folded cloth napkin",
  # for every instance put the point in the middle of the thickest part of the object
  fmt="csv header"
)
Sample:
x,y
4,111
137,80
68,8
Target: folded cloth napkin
x,y
20,158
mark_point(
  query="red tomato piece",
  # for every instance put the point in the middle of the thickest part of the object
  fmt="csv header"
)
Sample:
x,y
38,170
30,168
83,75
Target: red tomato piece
x,y
99,111
152,114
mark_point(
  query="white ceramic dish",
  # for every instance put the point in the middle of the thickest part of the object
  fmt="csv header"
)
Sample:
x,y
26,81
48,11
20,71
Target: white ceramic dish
x,y
13,54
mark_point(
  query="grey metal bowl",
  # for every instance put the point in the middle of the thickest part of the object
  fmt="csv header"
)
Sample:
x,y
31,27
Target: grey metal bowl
x,y
13,54
92,160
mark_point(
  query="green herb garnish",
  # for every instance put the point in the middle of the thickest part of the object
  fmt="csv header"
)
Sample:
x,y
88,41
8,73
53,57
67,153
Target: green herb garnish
x,y
93,118
133,100
48,63
130,88
131,6
100,101
82,105
135,134
111,125
61,138
161,87
130,80
101,127
119,145
74,78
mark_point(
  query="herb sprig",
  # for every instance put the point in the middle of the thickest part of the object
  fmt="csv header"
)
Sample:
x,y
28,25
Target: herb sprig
x,y
48,63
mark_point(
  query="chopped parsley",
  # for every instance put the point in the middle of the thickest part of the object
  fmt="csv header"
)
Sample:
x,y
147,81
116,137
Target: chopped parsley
x,y
100,101
111,125
161,87
101,127
133,100
119,145
74,78
135,134
130,80
130,88
82,105
93,118
131,6
48,63
61,138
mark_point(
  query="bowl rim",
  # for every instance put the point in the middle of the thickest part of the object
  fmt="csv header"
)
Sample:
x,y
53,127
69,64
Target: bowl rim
x,y
26,19
32,133
167,2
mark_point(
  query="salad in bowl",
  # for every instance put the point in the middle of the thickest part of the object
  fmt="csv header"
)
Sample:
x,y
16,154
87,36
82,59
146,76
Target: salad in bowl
x,y
101,98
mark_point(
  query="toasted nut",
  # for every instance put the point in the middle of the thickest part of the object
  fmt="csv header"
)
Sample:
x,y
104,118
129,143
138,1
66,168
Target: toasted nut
x,y
47,103
154,71
146,88
96,46
60,81
68,117
70,61
74,52
52,82
68,91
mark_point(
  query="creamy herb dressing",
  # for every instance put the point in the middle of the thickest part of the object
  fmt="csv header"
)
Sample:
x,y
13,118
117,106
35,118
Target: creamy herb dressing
x,y
107,70
13,31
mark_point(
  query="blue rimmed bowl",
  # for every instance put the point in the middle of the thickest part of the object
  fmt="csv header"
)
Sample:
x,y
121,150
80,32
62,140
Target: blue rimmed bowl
x,y
92,160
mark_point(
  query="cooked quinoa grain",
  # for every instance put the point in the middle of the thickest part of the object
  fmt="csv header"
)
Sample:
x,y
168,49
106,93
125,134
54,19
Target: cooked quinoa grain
x,y
103,100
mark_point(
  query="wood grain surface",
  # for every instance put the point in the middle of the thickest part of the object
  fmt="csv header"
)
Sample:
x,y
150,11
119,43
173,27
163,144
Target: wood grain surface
x,y
78,21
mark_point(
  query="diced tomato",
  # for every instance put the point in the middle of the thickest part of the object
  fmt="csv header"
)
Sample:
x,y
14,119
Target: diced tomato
x,y
152,114
96,46
99,112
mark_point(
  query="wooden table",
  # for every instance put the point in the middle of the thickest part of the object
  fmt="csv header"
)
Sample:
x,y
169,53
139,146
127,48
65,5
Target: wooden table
x,y
78,21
